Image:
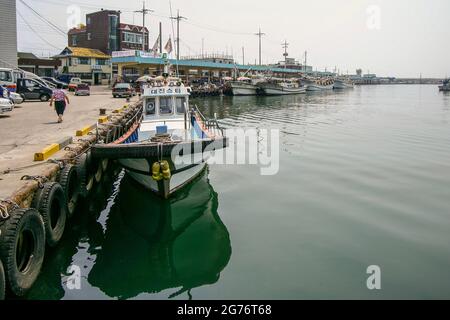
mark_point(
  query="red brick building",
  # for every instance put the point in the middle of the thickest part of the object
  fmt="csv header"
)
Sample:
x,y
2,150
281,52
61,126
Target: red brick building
x,y
103,31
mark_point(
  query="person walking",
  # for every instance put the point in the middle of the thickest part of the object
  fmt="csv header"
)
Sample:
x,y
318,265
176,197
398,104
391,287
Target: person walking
x,y
60,98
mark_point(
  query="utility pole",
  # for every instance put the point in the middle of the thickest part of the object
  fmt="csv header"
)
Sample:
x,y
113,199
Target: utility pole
x,y
260,34
243,56
160,38
178,18
144,12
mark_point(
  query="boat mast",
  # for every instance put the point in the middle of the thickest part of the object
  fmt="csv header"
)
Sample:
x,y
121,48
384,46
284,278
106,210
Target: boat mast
x,y
285,54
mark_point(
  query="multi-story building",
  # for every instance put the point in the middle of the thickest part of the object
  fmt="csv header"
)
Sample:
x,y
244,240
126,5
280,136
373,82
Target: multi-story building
x,y
103,31
91,65
8,34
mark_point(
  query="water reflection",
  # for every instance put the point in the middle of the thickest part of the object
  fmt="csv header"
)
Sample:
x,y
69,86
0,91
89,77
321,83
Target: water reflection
x,y
152,245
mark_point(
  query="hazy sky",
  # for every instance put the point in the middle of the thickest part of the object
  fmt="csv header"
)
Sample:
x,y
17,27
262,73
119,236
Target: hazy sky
x,y
400,38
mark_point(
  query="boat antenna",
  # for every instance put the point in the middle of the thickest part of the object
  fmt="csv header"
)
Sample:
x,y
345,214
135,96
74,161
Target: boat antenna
x,y
173,35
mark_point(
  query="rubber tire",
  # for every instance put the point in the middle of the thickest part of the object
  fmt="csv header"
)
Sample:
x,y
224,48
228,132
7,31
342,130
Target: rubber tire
x,y
19,282
2,282
86,180
45,201
44,97
69,182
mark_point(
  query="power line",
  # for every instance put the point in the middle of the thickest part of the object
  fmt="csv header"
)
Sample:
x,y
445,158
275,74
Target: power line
x,y
37,33
55,27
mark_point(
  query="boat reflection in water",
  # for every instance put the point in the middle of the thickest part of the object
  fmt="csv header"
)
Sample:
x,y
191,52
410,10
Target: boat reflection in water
x,y
152,245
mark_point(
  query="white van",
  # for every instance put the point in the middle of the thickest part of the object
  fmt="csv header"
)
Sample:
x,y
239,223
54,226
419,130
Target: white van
x,y
8,78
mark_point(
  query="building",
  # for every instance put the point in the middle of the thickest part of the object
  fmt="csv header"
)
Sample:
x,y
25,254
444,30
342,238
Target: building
x,y
8,34
41,67
141,63
291,63
103,31
91,65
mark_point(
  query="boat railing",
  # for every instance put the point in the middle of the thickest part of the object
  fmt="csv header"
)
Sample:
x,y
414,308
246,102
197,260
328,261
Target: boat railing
x,y
211,125
116,131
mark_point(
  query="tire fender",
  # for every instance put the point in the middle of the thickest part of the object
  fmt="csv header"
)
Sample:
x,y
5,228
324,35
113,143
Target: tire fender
x,y
70,183
22,260
2,282
51,203
85,179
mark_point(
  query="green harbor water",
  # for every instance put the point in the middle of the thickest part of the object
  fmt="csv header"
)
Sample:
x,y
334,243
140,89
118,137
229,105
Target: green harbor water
x,y
364,180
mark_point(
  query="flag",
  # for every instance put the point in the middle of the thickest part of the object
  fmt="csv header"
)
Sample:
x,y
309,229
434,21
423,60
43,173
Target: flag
x,y
168,46
156,46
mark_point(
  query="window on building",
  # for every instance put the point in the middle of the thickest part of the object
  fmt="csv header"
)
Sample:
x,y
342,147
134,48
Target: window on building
x,y
103,62
113,26
132,38
74,41
84,61
88,20
89,37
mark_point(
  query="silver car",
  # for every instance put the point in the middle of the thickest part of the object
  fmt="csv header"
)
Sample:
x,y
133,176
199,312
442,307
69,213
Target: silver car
x,y
6,105
16,98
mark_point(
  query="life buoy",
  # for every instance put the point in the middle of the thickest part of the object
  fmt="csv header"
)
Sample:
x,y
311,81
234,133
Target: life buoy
x,y
2,282
51,203
70,184
22,249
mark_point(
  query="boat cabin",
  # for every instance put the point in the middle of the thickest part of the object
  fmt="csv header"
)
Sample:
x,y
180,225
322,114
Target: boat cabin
x,y
166,106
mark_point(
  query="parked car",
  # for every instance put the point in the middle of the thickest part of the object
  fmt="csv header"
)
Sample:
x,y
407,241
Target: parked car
x,y
123,90
6,105
65,77
83,90
32,89
15,98
74,82
56,82
9,77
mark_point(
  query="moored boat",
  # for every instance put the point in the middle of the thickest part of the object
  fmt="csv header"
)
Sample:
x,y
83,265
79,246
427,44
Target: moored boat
x,y
165,146
340,84
243,87
274,87
445,85
320,85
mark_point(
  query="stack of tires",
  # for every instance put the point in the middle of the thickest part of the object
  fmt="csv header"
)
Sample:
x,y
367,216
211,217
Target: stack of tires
x,y
25,234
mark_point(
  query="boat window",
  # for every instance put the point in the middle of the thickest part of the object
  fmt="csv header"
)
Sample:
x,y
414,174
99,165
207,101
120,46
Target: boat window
x,y
180,103
165,105
150,109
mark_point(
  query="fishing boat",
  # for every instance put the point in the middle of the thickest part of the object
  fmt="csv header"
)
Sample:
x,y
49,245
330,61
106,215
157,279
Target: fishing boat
x,y
273,87
445,85
245,86
320,85
343,83
164,149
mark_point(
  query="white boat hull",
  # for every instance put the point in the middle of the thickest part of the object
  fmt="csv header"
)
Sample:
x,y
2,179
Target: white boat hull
x,y
341,85
277,90
318,87
243,89
140,171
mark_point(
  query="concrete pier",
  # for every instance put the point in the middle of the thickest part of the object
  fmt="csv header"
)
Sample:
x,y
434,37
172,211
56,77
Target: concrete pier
x,y
32,127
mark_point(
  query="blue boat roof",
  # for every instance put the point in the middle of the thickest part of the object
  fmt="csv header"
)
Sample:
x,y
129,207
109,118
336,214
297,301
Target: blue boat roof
x,y
200,64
